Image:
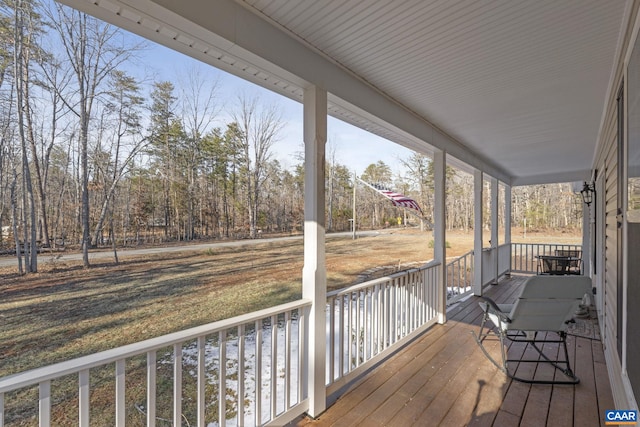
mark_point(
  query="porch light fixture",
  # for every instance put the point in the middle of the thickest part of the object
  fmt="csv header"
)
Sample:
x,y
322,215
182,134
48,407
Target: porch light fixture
x,y
587,192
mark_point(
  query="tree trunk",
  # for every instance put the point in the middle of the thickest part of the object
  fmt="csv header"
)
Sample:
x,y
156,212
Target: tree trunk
x,y
21,59
84,188
14,221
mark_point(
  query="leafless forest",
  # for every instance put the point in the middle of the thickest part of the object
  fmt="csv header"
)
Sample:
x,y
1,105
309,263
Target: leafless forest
x,y
92,156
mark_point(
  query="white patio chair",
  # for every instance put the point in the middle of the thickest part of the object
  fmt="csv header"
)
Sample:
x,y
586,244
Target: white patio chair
x,y
545,306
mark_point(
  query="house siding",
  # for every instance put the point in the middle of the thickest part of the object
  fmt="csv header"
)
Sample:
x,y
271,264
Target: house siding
x,y
610,255
610,308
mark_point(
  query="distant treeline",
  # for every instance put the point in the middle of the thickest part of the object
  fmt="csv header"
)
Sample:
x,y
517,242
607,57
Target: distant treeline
x,y
92,156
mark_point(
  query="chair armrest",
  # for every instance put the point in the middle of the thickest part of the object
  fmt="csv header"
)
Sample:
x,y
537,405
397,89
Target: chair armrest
x,y
490,306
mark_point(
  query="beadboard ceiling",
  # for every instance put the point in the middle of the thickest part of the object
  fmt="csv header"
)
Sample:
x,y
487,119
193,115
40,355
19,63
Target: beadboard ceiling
x,y
514,88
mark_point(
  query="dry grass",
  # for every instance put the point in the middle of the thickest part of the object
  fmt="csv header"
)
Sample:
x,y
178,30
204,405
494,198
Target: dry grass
x,y
66,311
57,315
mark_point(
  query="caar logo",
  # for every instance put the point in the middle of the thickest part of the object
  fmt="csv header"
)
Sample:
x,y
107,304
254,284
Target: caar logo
x,y
621,417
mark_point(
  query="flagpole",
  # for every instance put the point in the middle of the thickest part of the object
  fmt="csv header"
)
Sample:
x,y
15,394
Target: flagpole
x,y
355,183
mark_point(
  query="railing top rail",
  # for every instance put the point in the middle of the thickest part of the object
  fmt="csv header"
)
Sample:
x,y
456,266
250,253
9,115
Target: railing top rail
x,y
546,244
490,248
459,257
35,376
374,282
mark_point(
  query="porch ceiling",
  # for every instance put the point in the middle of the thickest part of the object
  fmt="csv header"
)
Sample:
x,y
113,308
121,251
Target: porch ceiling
x,y
516,89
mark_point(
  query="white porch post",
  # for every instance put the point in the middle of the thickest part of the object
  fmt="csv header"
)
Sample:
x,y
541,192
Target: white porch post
x,y
586,240
314,283
495,242
439,231
507,220
477,232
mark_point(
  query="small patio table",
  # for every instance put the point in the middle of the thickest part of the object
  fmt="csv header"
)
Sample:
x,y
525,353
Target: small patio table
x,y
556,264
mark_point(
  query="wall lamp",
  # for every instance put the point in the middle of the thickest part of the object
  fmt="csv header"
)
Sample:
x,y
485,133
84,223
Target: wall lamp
x,y
587,192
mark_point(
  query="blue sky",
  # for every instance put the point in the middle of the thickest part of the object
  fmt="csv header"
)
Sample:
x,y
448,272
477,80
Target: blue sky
x,y
353,147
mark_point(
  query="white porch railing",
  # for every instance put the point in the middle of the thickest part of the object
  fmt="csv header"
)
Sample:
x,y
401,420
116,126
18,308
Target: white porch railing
x,y
368,321
460,271
523,255
460,277
504,259
184,376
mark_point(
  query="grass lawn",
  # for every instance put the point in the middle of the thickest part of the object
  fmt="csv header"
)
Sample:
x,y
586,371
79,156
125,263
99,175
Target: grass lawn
x,y
65,311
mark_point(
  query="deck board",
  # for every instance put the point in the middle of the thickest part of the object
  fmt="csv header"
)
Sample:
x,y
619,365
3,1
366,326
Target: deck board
x,y
443,378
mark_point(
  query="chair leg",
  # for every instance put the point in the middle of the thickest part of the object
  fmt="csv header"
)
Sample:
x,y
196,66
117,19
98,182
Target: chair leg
x,y
566,370
480,341
563,366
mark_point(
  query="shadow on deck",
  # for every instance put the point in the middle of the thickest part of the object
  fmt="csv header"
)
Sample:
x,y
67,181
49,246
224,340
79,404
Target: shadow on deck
x,y
443,378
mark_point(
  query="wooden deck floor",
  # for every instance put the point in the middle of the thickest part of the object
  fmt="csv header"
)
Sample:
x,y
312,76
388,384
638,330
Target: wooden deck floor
x,y
442,378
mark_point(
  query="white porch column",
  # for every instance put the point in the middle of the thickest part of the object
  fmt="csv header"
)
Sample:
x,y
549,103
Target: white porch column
x,y
586,239
439,231
477,232
507,220
314,283
495,241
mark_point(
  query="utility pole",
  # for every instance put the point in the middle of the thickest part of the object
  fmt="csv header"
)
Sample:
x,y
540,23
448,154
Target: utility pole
x,y
355,183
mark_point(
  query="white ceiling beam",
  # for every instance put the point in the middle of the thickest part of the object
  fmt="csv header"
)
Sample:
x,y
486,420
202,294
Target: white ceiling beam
x,y
567,176
253,34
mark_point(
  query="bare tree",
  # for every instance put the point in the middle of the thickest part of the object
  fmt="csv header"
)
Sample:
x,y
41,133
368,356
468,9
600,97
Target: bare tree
x,y
54,81
420,175
94,50
259,128
331,165
199,112
6,110
24,21
123,106
166,136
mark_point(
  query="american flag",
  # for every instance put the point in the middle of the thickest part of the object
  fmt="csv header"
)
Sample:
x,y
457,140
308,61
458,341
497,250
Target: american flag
x,y
397,199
